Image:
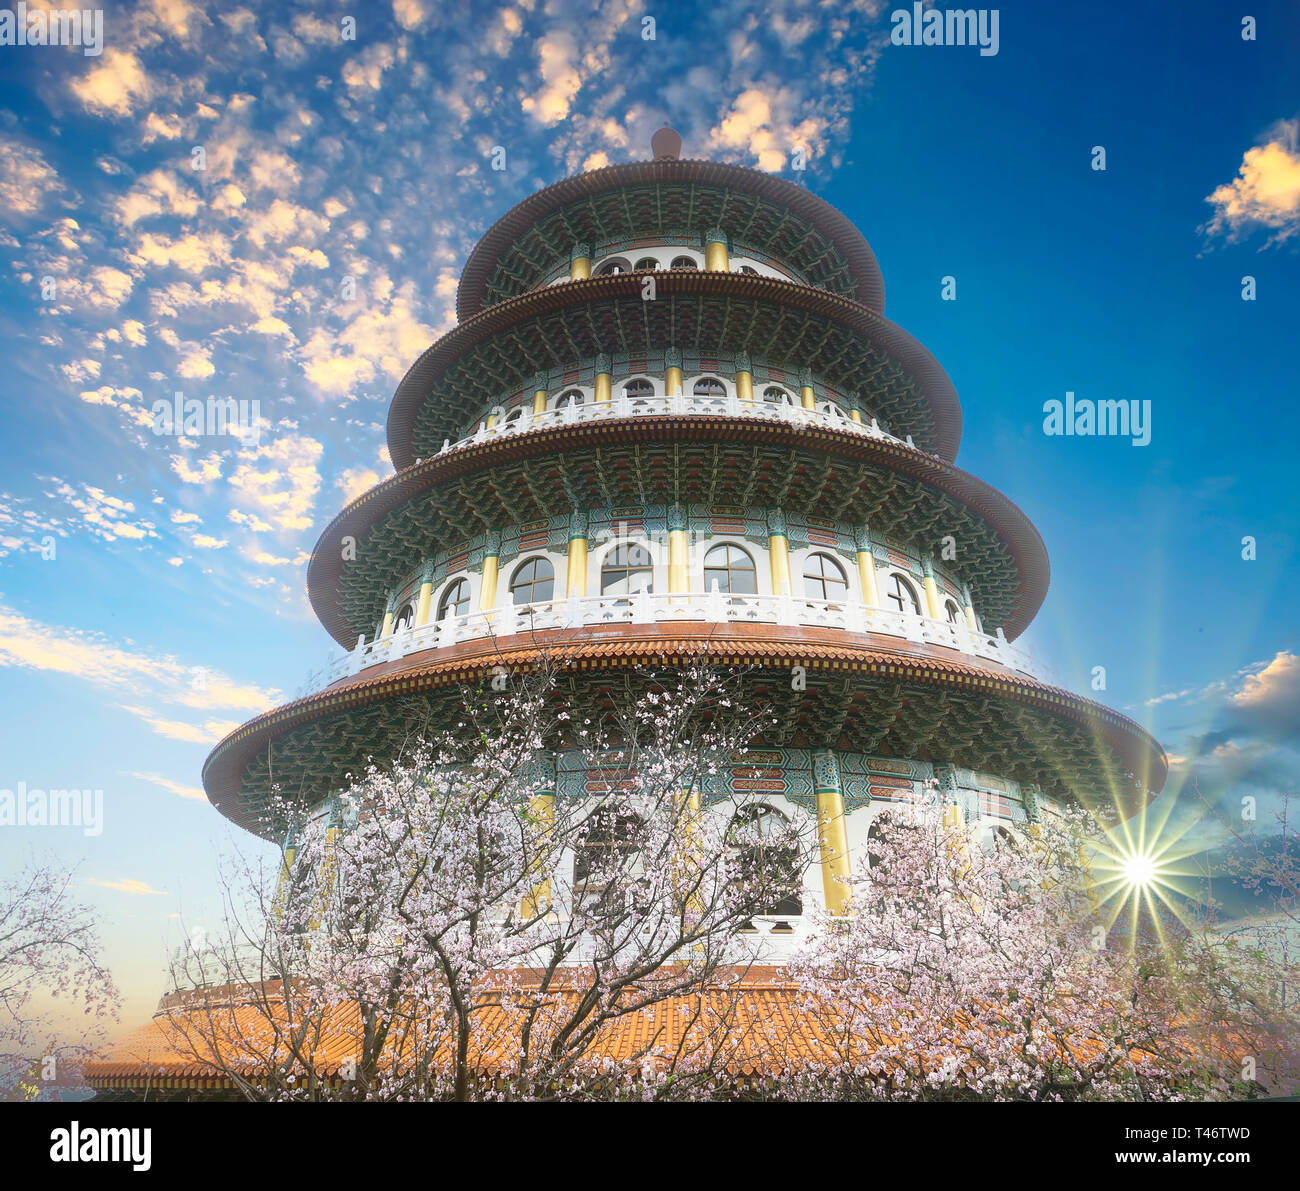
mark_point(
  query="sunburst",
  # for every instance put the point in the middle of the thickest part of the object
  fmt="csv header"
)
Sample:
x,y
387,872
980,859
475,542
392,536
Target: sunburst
x,y
1140,874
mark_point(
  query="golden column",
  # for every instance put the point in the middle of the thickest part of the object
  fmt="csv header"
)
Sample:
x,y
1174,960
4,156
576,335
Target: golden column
x,y
1088,883
386,630
931,590
541,811
954,818
487,597
855,413
283,884
716,256
807,395
832,830
866,567
778,552
672,371
686,877
604,377
744,377
577,580
325,875
425,597
970,609
539,394
679,579
580,262
1030,793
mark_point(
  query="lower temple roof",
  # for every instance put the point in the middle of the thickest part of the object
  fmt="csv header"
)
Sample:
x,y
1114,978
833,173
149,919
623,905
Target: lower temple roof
x,y
874,695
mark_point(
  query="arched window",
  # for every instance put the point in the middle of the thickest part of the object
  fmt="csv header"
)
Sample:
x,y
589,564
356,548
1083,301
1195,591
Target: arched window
x,y
832,409
404,618
606,862
749,270
609,268
823,578
683,262
709,386
455,600
731,569
951,611
638,389
775,395
767,852
996,838
903,595
533,581
568,398
512,418
627,570
646,262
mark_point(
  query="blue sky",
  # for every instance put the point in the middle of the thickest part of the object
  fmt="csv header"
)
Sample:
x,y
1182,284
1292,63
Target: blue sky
x,y
328,159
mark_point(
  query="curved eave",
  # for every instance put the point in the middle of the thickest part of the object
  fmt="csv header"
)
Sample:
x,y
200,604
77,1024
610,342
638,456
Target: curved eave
x,y
542,203
1013,528
629,647
852,318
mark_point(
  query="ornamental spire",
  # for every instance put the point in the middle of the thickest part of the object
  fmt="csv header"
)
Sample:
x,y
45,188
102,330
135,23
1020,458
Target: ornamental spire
x,y
666,144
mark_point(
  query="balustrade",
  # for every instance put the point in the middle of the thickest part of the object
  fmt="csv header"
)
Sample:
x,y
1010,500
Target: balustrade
x,y
523,419
593,613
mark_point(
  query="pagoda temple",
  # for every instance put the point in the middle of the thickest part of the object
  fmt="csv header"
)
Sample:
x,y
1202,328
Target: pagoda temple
x,y
673,422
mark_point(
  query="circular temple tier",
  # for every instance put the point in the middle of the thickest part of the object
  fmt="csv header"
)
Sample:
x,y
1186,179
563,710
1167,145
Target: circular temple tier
x,y
674,425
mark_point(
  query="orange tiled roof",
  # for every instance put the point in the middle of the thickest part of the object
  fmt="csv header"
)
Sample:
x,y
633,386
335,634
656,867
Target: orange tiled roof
x,y
756,1027
752,1024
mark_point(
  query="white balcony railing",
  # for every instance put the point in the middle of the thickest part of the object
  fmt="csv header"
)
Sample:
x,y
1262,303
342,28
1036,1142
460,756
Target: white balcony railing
x,y
594,613
623,406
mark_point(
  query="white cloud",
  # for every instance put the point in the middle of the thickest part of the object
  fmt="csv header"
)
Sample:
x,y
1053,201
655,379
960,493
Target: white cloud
x,y
191,253
408,13
90,657
366,71
128,885
760,125
280,480
1266,191
108,517
383,337
557,54
159,192
316,30
177,788
356,480
196,363
202,471
115,85
26,179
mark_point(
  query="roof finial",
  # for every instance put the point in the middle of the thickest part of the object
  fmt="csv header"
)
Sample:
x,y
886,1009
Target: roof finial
x,y
666,144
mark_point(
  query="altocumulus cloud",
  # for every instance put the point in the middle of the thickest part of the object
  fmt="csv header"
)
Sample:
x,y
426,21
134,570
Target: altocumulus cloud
x,y
314,255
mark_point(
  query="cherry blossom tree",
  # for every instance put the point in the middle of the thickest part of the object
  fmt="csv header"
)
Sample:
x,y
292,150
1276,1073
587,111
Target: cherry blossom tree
x,y
1262,861
476,936
55,993
979,966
